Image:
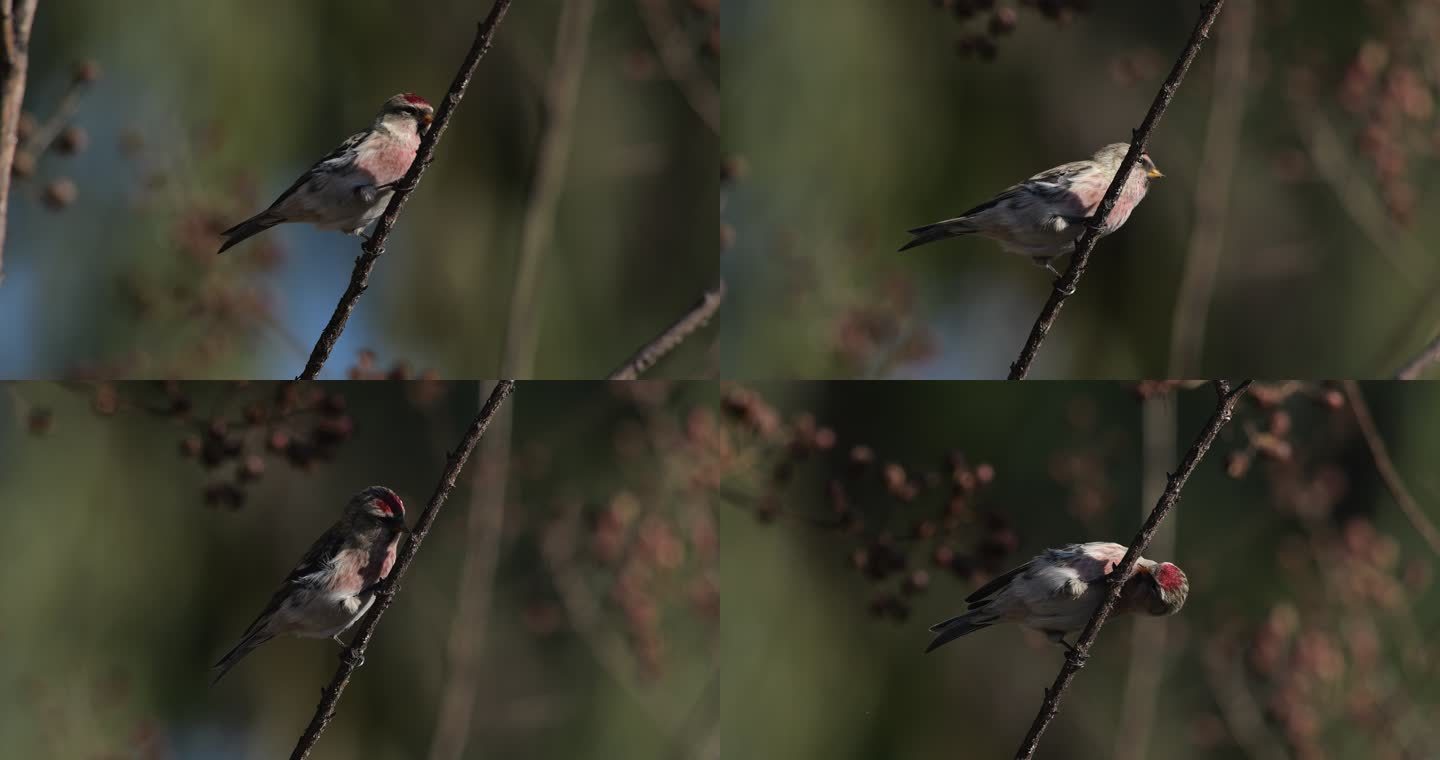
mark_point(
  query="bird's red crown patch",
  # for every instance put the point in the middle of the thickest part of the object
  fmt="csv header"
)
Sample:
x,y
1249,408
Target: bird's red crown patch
x,y
415,100
1169,576
390,504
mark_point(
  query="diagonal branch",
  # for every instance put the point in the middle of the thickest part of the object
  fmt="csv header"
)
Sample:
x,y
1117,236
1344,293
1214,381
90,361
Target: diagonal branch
x,y
673,336
1416,367
1386,467
1064,287
355,653
1242,713
16,17
1224,408
371,250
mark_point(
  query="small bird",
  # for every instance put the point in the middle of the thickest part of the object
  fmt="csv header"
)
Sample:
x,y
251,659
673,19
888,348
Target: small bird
x,y
1043,216
349,189
1058,591
335,582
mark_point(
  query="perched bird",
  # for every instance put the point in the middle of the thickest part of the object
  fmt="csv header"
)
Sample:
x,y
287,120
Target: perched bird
x,y
1059,590
335,583
1043,216
349,189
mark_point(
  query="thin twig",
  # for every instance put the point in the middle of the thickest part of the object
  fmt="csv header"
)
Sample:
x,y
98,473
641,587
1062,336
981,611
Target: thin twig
x,y
1414,368
7,32
1386,467
678,58
562,89
353,655
1147,643
673,336
484,525
16,17
1212,193
375,246
45,135
1064,287
1331,158
583,611
1241,712
1224,408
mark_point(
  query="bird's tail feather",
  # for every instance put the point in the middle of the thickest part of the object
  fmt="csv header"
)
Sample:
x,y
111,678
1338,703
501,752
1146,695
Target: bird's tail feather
x,y
235,655
954,628
252,226
938,231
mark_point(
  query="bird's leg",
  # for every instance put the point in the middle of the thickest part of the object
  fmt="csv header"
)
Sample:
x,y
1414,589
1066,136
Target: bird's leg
x,y
1049,263
1059,638
1075,656
345,651
357,661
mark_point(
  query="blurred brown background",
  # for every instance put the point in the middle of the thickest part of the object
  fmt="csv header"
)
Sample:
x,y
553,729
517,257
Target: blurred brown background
x,y
866,512
150,524
1299,153
204,112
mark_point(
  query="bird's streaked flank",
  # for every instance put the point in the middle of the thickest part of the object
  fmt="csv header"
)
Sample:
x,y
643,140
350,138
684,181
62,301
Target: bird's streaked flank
x,y
349,189
1058,592
1042,217
335,582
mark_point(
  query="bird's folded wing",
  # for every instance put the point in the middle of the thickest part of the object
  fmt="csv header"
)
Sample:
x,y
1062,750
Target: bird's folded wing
x,y
336,160
996,583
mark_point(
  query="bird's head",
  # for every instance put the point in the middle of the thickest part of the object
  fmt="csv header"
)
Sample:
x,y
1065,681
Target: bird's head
x,y
406,112
1111,155
1150,171
380,504
1168,588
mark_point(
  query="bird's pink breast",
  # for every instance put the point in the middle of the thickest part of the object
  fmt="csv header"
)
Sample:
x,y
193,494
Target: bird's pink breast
x,y
388,161
1091,190
389,561
355,570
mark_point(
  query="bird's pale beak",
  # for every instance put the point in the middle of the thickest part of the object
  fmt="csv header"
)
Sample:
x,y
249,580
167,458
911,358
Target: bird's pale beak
x,y
1153,173
426,118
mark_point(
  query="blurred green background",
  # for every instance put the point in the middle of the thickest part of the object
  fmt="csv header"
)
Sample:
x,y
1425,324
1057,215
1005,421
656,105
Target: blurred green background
x,y
204,112
135,566
1302,140
1309,630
